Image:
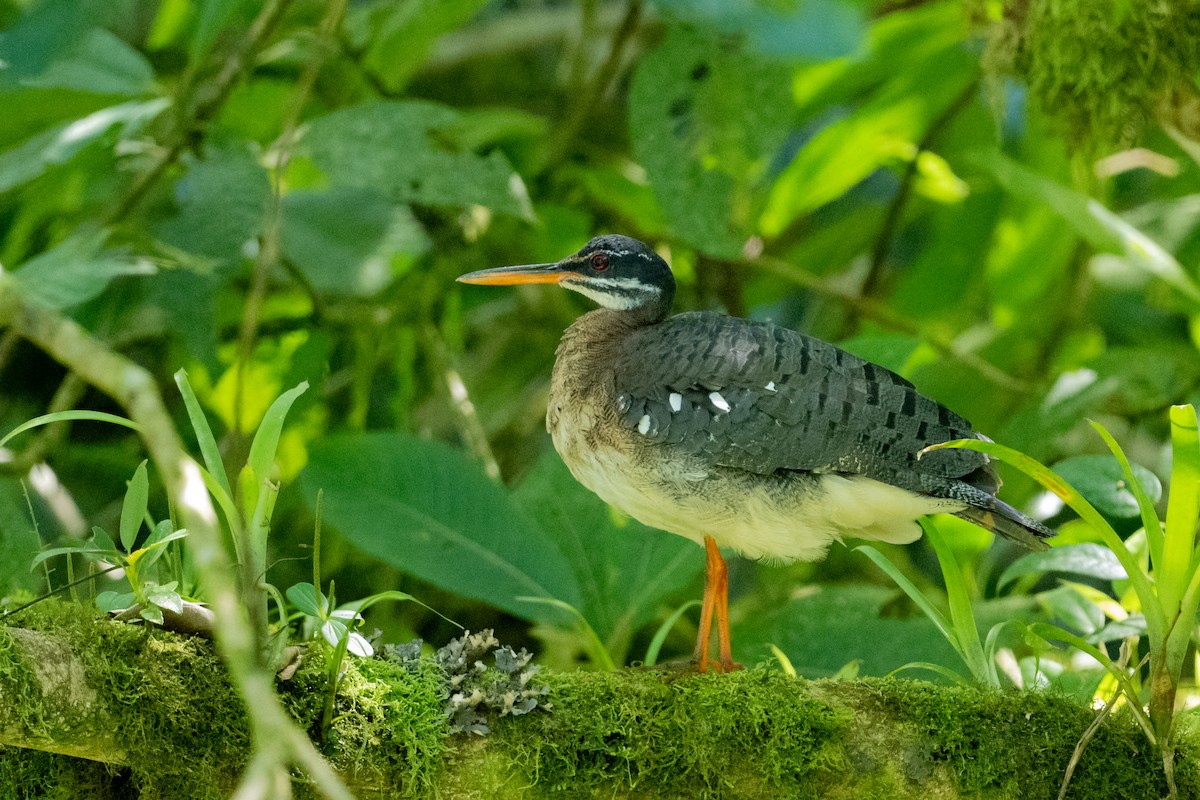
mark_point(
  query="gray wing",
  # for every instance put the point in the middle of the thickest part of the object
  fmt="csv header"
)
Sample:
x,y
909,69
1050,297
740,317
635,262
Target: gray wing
x,y
762,398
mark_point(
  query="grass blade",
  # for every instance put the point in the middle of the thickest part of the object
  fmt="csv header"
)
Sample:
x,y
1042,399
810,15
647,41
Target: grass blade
x,y
595,648
660,635
1156,621
962,615
204,435
1150,521
68,416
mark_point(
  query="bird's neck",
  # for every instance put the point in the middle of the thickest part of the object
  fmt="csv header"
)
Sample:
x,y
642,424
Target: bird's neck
x,y
583,367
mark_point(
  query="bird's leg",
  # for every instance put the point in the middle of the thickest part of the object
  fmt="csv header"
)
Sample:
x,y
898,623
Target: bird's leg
x,y
716,602
714,564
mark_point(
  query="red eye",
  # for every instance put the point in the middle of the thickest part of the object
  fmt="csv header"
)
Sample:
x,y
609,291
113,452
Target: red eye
x,y
599,262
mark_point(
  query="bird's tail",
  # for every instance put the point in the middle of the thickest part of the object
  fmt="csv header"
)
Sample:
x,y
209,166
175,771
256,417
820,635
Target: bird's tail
x,y
1005,520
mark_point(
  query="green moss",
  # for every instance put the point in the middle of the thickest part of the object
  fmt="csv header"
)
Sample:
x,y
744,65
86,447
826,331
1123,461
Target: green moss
x,y
635,733
660,734
1018,744
161,689
37,775
1104,68
390,727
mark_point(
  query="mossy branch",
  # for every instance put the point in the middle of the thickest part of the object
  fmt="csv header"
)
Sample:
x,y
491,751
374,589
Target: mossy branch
x,y
160,704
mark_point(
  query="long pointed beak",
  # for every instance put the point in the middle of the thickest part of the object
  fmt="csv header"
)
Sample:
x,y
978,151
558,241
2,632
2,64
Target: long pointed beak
x,y
509,276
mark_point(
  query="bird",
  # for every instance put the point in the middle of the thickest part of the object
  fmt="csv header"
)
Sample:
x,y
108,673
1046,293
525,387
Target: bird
x,y
742,434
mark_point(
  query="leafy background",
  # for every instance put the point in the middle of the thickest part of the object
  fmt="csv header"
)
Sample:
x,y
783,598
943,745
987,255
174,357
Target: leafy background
x,y
997,199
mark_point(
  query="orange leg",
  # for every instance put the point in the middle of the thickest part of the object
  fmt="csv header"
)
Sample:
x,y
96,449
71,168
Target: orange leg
x,y
715,602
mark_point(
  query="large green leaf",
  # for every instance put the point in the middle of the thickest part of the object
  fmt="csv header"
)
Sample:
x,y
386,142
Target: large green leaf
x,y
350,241
222,203
1092,560
408,150
822,630
624,569
706,117
428,510
75,271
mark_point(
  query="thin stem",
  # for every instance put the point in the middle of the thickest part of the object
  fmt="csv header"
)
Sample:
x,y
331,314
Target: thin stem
x,y
586,100
231,73
895,211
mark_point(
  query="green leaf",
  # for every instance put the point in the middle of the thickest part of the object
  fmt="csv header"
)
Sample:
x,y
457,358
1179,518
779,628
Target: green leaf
x,y
625,571
306,599
705,118
266,441
222,202
61,143
104,542
74,271
350,241
108,601
426,509
100,63
1102,481
166,599
67,416
407,151
209,450
152,613
1088,559
133,510
1072,207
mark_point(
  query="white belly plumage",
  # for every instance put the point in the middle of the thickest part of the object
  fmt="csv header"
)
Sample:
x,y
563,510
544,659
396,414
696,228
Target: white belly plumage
x,y
742,513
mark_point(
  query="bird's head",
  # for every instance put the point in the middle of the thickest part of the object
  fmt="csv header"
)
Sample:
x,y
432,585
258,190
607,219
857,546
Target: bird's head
x,y
617,272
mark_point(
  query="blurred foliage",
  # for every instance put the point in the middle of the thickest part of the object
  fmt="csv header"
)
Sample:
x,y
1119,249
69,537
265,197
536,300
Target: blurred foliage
x,y
1001,200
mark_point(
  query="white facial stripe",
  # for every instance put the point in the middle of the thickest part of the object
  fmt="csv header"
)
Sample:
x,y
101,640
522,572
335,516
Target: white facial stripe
x,y
629,292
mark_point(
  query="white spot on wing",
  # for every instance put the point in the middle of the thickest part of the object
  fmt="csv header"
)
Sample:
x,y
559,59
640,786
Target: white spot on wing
x,y
719,401
676,401
770,386
644,424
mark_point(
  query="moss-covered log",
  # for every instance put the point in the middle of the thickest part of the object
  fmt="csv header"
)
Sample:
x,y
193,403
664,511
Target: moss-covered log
x,y
91,708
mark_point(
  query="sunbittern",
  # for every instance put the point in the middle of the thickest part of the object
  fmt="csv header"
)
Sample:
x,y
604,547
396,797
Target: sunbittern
x,y
743,434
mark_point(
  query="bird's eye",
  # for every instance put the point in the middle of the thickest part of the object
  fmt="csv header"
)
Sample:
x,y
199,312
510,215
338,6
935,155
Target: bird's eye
x,y
599,262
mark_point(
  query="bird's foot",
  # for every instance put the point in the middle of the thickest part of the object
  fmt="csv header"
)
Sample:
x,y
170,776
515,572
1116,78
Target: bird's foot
x,y
720,666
